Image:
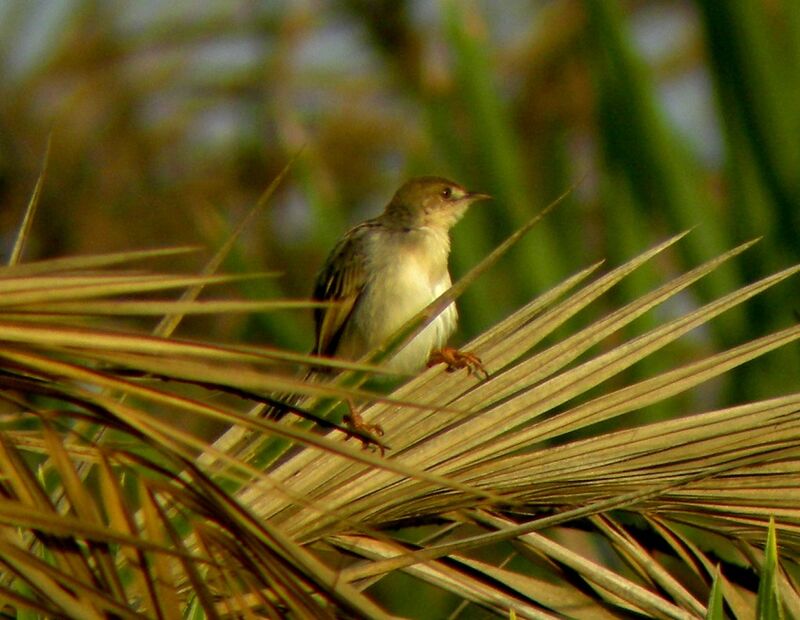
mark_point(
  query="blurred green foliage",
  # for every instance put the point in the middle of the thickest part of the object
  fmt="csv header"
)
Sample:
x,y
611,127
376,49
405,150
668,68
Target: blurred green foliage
x,y
169,119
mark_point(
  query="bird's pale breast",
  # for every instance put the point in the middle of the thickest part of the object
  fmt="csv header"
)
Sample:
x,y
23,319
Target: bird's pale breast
x,y
407,274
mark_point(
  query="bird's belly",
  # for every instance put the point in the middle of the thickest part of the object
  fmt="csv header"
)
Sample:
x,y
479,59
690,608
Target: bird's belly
x,y
387,304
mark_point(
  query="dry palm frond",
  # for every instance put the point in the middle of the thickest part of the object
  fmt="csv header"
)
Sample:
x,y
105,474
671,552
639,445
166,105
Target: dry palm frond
x,y
514,435
108,539
520,463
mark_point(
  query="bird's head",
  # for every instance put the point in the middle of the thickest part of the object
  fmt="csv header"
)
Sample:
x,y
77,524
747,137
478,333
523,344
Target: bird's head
x,y
432,202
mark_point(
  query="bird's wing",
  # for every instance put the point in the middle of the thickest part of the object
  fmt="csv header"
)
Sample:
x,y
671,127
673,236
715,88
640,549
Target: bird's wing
x,y
341,281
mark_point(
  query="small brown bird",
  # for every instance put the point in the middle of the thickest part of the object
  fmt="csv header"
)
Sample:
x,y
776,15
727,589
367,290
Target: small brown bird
x,y
387,269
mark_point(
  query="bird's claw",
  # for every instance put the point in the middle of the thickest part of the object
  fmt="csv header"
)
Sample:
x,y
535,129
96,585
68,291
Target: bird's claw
x,y
366,432
456,360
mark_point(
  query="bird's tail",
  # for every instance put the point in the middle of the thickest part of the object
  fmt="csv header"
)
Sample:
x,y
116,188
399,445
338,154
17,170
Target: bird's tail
x,y
280,405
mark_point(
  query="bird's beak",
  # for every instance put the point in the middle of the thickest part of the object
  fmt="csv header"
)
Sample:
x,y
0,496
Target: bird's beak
x,y
476,196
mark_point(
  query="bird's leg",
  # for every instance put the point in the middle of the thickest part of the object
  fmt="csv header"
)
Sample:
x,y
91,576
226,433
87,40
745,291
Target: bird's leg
x,y
456,359
356,424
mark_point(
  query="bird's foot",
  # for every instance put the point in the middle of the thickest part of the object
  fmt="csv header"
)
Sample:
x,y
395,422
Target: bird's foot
x,y
456,359
366,432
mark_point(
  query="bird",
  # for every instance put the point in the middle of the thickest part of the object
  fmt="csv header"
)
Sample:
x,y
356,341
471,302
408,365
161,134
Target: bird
x,y
385,270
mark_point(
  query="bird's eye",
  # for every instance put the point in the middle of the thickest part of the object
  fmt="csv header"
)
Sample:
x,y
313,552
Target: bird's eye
x,y
447,192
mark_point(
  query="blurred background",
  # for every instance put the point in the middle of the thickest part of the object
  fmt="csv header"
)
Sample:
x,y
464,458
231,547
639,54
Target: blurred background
x,y
168,119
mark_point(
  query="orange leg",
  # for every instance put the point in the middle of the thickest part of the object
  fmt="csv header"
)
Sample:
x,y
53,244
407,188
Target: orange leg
x,y
456,359
356,423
